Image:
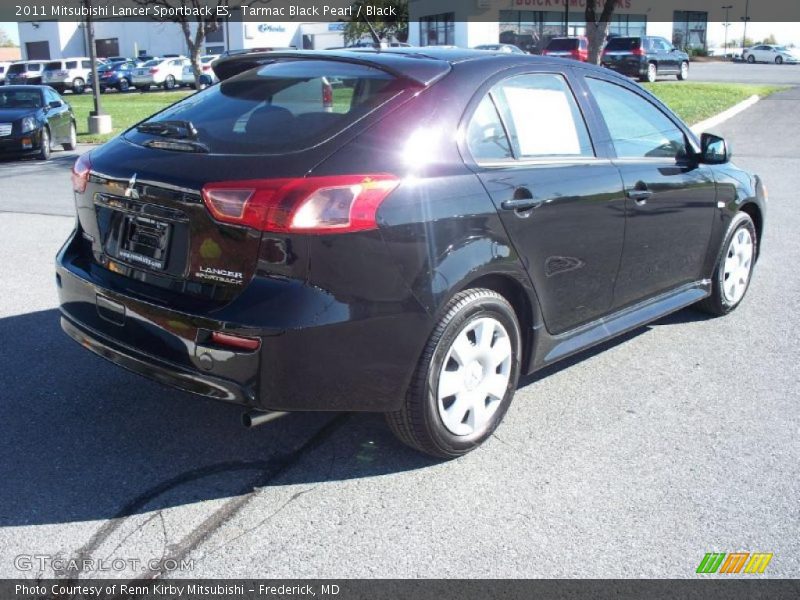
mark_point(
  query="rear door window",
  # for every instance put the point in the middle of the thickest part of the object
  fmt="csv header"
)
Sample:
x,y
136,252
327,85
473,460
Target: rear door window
x,y
86,64
543,117
621,44
281,107
486,135
72,64
35,67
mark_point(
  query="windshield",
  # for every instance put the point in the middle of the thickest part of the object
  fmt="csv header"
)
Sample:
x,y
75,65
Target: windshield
x,y
284,106
52,66
20,99
152,63
562,45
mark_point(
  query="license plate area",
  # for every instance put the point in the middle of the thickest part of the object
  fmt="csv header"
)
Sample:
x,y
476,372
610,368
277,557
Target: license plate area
x,y
143,235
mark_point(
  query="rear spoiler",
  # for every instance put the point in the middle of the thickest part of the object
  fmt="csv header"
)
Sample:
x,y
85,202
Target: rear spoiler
x,y
403,65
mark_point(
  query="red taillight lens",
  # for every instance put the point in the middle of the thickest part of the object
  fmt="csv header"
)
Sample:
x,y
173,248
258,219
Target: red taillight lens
x,y
334,204
80,173
154,70
236,342
637,52
206,67
327,95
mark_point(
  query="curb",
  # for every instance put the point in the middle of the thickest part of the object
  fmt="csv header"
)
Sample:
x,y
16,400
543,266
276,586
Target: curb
x,y
716,120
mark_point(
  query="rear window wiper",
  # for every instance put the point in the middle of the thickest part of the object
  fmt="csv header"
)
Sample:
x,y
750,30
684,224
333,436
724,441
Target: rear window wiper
x,y
169,128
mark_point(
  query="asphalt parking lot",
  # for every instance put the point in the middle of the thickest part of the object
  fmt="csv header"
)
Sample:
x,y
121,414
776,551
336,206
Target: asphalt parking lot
x,y
630,461
736,72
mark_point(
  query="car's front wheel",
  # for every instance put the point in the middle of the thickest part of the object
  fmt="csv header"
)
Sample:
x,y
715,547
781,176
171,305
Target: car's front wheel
x,y
778,60
44,150
683,75
73,138
78,86
465,379
123,85
751,59
734,267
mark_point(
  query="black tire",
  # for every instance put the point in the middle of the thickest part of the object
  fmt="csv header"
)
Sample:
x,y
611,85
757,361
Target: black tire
x,y
169,82
683,73
44,151
718,303
124,85
78,85
418,423
778,60
652,74
73,136
751,59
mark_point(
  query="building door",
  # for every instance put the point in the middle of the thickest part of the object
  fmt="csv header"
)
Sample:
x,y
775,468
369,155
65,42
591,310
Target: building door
x,y
107,47
37,50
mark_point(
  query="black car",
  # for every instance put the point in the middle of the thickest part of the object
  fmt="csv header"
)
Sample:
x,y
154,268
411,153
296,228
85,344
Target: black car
x,y
34,119
447,222
645,57
116,76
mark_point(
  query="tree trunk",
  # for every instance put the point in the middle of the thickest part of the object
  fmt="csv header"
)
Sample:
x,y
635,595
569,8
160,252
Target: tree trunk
x,y
596,32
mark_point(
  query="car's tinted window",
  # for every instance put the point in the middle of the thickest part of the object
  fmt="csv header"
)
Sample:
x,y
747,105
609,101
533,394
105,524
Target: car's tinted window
x,y
35,67
15,69
562,44
51,96
72,64
637,127
486,137
20,98
2,69
622,44
542,116
283,106
53,66
86,64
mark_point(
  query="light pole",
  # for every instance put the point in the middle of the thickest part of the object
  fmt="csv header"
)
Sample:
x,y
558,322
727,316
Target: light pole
x,y
745,18
726,8
99,122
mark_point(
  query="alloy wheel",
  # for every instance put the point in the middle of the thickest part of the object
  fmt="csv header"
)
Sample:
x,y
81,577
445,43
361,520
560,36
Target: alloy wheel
x,y
474,376
738,266
652,73
684,70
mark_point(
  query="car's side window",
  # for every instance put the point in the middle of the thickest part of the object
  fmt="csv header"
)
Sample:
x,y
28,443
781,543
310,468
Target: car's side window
x,y
637,127
486,136
542,117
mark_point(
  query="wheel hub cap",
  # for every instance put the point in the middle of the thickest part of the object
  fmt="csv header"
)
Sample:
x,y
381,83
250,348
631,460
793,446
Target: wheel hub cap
x,y
738,266
474,377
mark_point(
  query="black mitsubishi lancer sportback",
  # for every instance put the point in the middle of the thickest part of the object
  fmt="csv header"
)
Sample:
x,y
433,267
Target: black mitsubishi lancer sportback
x,y
401,231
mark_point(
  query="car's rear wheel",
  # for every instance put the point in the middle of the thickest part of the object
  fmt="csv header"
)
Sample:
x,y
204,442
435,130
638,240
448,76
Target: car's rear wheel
x,y
683,75
778,60
44,150
123,85
652,73
78,85
169,82
751,59
734,267
465,379
73,138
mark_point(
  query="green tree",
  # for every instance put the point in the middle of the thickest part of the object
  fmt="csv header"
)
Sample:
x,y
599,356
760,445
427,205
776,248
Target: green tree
x,y
770,39
597,26
390,20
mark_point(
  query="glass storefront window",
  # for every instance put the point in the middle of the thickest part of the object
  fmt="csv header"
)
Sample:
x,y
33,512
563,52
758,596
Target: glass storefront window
x,y
437,30
689,29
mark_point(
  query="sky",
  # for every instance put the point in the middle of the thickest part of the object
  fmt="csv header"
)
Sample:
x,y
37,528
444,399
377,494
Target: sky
x,y
785,33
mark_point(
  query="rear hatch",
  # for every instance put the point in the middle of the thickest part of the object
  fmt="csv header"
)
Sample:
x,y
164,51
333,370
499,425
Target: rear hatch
x,y
143,209
564,47
623,50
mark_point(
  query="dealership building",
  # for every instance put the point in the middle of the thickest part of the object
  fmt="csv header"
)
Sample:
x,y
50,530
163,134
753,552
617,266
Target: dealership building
x,y
530,24
58,39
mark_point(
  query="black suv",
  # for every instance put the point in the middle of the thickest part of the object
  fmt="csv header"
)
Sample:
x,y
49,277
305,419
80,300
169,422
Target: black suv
x,y
410,241
645,57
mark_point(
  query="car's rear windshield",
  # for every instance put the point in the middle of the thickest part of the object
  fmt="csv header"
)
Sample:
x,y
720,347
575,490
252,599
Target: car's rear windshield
x,y
621,44
284,106
563,44
53,66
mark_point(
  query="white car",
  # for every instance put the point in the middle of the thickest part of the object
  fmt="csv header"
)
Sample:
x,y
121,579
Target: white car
x,y
3,68
207,77
771,54
161,72
67,74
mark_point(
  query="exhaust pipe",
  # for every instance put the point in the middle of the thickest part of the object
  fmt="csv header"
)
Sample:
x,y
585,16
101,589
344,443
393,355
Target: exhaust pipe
x,y
254,418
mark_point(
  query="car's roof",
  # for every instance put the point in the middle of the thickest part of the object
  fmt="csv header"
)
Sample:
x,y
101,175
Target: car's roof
x,y
421,64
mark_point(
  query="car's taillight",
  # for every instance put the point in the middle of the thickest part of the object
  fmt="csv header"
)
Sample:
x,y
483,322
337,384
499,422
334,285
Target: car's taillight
x,y
80,173
154,70
545,53
315,205
237,342
575,53
206,67
327,96
637,52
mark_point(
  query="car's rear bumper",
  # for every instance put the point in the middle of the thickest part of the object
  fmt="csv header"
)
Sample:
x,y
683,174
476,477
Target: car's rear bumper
x,y
627,67
315,354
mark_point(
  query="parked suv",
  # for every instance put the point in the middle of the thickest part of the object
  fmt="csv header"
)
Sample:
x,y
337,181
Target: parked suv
x,y
449,223
646,58
161,72
25,72
568,47
67,74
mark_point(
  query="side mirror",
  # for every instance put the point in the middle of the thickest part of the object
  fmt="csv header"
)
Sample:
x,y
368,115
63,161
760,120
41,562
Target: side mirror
x,y
55,104
714,149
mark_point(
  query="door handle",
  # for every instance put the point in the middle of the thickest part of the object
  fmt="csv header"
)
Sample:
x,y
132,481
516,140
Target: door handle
x,y
521,204
638,195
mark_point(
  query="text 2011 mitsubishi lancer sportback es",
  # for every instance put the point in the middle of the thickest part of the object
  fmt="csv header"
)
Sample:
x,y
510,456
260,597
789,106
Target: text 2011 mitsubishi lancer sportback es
x,y
401,231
